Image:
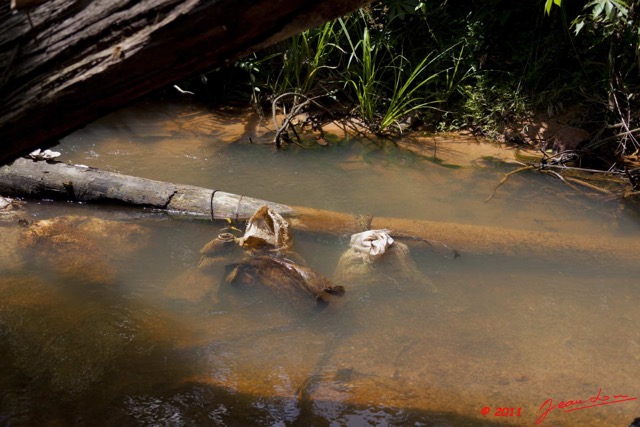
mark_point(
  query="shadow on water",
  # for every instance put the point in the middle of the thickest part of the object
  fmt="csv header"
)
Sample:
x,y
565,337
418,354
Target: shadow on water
x,y
197,404
79,367
100,359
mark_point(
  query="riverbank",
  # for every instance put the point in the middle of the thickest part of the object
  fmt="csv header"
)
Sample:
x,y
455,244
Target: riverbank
x,y
553,145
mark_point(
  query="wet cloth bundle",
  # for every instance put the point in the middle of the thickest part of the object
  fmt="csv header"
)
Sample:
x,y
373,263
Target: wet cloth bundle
x,y
372,242
375,258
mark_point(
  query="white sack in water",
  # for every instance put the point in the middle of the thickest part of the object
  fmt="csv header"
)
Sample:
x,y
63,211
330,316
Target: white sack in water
x,y
372,242
374,258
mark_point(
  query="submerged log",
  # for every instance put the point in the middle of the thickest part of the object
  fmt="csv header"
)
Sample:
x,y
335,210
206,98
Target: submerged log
x,y
65,63
478,239
41,179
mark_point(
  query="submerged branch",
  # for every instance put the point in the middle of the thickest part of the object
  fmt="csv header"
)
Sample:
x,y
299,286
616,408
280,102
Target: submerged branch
x,y
561,178
588,185
564,167
505,178
544,167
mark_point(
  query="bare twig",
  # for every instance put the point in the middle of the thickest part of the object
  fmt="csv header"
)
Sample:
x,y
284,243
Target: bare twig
x,y
588,185
295,110
628,133
620,135
505,178
557,162
563,167
556,174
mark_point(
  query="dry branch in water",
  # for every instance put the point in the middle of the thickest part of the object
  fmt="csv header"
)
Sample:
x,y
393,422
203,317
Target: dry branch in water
x,y
544,167
295,111
505,178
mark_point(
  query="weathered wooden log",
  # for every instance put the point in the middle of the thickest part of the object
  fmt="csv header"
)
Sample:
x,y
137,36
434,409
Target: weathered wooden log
x,y
65,63
61,181
41,179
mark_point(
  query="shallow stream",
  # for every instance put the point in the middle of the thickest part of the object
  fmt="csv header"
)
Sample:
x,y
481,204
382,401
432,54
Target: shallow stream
x,y
489,344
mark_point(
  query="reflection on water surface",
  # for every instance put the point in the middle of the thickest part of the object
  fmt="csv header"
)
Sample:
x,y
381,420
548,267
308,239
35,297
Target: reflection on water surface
x,y
145,345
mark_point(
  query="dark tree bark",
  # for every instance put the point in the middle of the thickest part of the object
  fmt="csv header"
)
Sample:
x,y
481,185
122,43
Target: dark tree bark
x,y
65,63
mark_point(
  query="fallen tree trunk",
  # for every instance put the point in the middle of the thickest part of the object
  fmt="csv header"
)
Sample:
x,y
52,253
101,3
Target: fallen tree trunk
x,y
40,179
65,63
61,181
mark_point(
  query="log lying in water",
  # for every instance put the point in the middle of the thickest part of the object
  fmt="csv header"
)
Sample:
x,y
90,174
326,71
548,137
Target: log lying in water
x,y
28,178
478,238
61,181
65,63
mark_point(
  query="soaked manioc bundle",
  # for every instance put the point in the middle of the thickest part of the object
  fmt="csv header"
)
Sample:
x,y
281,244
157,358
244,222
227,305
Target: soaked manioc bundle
x,y
268,265
301,287
266,228
266,231
375,257
219,252
195,284
221,245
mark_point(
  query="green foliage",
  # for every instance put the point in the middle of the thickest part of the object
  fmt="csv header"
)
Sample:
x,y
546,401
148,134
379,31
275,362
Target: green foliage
x,y
370,63
366,83
405,97
612,29
489,107
304,56
549,3
611,14
386,87
401,9
456,64
251,65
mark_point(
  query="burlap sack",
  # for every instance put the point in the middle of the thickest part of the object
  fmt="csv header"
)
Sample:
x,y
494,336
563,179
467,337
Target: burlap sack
x,y
266,228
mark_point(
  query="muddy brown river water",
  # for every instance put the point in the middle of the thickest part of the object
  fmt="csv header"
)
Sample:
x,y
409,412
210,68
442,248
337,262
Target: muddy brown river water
x,y
116,330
